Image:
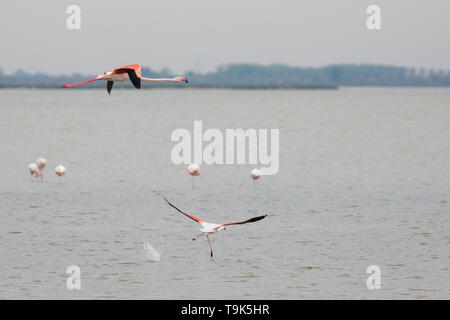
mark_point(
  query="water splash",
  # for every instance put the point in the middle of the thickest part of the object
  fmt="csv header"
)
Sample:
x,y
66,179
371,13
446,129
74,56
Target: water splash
x,y
150,252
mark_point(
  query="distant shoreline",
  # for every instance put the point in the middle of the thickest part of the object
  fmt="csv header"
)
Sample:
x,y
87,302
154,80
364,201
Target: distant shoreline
x,y
233,87
190,86
250,76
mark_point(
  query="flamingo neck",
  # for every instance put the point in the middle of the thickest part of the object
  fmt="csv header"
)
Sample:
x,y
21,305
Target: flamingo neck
x,y
157,79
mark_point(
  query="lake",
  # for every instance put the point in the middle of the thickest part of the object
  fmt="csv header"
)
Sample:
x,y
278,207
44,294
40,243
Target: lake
x,y
364,179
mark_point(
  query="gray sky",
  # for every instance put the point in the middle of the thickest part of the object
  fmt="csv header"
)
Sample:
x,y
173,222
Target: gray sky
x,y
203,34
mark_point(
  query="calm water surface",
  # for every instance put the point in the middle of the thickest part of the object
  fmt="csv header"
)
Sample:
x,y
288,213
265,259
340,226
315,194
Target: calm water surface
x,y
364,180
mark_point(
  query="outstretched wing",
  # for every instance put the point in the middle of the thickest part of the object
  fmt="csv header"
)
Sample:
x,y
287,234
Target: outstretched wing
x,y
186,214
133,76
80,83
246,221
109,86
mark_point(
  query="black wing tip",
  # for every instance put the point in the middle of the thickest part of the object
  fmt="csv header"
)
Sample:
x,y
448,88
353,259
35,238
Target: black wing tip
x,y
135,80
256,219
109,86
170,204
261,217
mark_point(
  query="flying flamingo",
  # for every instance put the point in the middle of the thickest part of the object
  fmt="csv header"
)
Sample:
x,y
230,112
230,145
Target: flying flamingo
x,y
41,163
194,171
210,228
34,171
131,72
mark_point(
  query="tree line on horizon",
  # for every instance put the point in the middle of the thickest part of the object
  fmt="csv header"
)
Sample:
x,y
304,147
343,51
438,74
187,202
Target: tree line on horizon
x,y
258,76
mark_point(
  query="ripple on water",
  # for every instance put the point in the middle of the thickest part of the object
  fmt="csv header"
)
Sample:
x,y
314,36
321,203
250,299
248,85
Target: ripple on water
x,y
339,220
307,268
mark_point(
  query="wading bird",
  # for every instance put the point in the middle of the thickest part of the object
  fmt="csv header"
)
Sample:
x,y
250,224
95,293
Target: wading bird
x,y
41,163
255,174
34,171
194,171
210,228
131,72
60,170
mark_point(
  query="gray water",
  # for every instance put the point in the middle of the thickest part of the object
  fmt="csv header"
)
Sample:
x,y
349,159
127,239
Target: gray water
x,y
364,180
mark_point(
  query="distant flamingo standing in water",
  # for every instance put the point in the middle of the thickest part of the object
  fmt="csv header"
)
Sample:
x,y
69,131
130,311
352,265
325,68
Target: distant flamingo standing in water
x,y
60,171
194,170
41,163
34,171
131,72
255,174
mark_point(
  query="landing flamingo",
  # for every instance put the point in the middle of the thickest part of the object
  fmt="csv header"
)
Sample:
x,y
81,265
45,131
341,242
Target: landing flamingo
x,y
210,228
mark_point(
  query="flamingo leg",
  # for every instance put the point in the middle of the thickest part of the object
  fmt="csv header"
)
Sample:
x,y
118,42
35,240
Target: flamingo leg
x,y
81,83
210,247
198,236
192,182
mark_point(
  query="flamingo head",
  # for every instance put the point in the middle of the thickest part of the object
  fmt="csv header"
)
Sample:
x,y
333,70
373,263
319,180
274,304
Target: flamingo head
x,y
181,79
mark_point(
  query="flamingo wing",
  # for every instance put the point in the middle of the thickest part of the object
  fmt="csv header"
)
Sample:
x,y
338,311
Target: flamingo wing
x,y
135,80
136,67
186,214
246,221
109,86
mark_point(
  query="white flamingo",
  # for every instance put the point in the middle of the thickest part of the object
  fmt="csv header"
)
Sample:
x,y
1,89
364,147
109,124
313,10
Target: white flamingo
x,y
255,174
41,163
34,171
210,228
60,171
194,171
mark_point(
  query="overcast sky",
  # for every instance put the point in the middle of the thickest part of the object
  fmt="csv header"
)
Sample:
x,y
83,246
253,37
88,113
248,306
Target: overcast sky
x,y
200,35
